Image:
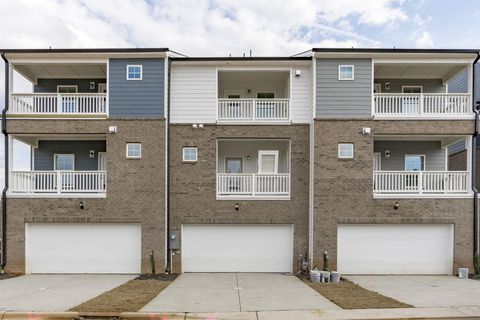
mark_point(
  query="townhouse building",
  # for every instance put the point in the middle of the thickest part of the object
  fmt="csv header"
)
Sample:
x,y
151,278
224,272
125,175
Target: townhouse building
x,y
93,199
256,164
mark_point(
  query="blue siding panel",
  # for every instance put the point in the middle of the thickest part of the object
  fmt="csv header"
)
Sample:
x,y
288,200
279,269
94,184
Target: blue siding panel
x,y
136,98
44,154
459,83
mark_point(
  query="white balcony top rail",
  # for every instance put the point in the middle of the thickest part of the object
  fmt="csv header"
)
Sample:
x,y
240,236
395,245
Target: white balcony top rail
x,y
421,182
422,104
253,109
253,184
60,182
58,103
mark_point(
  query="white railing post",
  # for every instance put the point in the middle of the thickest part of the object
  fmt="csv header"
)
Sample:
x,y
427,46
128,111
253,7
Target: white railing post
x,y
59,103
420,182
59,182
254,109
422,104
254,184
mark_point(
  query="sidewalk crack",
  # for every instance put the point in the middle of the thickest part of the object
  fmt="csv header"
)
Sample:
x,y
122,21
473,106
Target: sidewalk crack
x,y
238,293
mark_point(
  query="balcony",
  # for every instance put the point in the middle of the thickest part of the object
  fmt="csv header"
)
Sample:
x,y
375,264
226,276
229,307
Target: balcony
x,y
253,110
253,96
431,105
58,88
58,104
422,182
57,166
253,169
418,166
58,182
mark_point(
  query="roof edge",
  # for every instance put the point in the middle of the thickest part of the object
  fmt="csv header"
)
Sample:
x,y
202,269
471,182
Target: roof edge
x,y
395,50
85,50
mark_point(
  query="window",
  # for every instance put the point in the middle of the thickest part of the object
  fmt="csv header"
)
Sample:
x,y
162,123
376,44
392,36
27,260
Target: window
x,y
64,162
67,89
346,72
414,162
265,95
134,72
268,161
134,150
190,154
345,150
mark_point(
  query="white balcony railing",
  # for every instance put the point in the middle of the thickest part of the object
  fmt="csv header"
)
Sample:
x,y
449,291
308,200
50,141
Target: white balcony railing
x,y
422,104
58,103
253,184
421,182
253,109
36,182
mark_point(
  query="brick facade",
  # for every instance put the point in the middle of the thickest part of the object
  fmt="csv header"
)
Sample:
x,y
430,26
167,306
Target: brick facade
x,y
135,188
343,187
193,186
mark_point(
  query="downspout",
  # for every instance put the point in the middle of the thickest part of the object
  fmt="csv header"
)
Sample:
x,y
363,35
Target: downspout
x,y
6,168
168,268
474,162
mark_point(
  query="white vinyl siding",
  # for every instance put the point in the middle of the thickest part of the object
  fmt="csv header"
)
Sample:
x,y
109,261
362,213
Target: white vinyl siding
x,y
193,94
301,95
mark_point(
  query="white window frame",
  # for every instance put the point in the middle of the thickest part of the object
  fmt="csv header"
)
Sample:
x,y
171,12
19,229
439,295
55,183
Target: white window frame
x,y
340,156
126,150
67,86
135,66
348,66
62,154
421,89
415,155
274,94
190,148
267,153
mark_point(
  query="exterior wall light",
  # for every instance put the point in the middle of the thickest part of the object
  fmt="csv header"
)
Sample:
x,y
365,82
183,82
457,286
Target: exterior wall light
x,y
396,205
237,207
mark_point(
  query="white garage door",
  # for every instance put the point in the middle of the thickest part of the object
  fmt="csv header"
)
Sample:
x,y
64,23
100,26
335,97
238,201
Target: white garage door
x,y
83,248
237,248
395,249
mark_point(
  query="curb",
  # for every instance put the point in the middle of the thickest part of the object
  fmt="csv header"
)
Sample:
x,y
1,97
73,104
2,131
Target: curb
x,y
38,315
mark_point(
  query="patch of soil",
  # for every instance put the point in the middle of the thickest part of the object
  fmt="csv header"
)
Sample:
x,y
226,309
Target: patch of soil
x,y
129,297
4,276
348,295
160,277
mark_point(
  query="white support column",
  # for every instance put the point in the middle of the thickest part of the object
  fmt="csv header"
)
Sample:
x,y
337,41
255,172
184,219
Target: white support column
x,y
469,161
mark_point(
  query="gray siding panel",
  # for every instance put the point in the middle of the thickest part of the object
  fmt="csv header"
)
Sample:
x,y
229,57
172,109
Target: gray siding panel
x,y
136,98
343,99
434,154
459,83
50,85
44,154
457,147
429,85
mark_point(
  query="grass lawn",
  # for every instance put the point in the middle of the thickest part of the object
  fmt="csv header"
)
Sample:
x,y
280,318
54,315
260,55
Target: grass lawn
x,y
348,295
129,297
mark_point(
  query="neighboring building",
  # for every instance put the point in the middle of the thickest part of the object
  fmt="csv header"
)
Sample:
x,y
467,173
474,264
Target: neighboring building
x,y
271,161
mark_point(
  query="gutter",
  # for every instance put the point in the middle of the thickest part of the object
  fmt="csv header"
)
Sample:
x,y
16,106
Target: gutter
x,y
6,168
474,162
168,268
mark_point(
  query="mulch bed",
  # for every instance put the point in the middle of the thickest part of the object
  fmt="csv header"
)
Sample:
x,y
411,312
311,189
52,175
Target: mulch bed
x,y
348,295
128,297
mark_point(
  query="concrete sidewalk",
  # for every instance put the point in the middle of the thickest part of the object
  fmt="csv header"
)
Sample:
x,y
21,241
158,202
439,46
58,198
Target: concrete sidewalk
x,y
331,314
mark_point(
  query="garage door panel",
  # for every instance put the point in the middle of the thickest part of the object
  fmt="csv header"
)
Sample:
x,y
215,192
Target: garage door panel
x,y
395,249
83,248
228,248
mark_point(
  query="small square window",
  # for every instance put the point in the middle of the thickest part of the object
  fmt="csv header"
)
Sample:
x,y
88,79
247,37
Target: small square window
x,y
345,150
134,72
190,154
134,150
346,72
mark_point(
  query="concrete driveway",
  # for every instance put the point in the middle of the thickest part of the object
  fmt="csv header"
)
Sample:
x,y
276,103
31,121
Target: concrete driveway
x,y
233,292
54,292
424,291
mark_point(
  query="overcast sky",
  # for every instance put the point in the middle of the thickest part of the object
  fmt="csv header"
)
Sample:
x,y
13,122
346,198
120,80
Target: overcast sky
x,y
234,27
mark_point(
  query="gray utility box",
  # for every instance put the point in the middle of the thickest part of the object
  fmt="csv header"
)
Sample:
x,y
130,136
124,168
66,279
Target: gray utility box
x,y
174,240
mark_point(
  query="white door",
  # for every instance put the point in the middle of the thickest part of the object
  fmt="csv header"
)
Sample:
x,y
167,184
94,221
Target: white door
x,y
102,161
268,161
395,249
377,161
237,248
82,248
